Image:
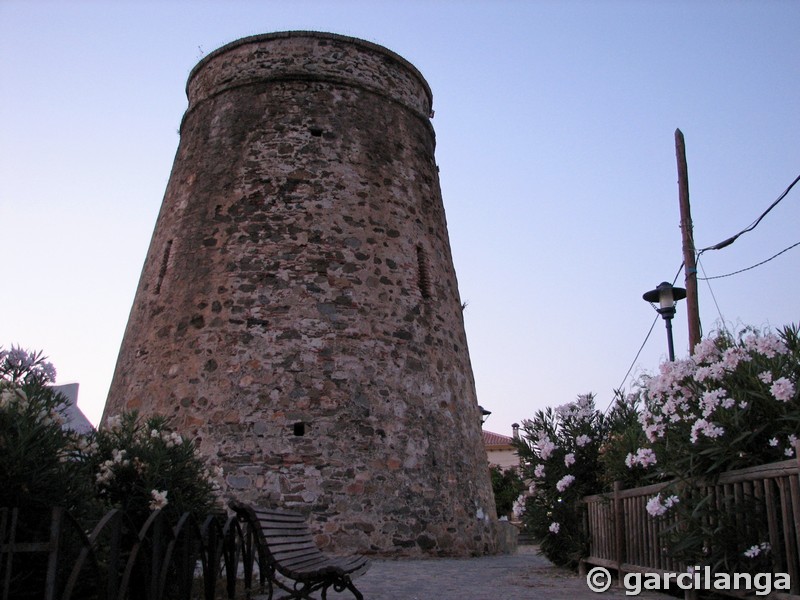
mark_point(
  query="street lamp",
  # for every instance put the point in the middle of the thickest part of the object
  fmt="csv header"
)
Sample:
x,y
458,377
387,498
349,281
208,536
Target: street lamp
x,y
666,296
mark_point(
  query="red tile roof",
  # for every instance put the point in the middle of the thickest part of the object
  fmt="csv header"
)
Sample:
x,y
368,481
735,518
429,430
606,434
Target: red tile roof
x,y
495,439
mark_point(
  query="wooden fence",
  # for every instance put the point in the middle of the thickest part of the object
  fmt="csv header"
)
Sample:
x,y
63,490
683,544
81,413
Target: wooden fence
x,y
51,557
748,504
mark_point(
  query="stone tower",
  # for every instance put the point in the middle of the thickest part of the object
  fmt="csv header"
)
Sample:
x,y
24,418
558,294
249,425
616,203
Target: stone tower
x,y
298,312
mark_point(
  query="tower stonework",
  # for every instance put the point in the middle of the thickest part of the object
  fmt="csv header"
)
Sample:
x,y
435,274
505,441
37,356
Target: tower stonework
x,y
298,312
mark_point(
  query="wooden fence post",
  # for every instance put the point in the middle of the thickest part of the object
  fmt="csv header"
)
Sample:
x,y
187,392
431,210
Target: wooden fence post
x,y
57,515
794,487
619,528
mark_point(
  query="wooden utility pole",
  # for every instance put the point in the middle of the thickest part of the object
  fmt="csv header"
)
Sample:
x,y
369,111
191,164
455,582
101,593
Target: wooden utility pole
x,y
689,262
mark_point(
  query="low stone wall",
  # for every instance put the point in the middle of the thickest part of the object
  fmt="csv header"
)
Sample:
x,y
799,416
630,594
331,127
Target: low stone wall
x,y
507,537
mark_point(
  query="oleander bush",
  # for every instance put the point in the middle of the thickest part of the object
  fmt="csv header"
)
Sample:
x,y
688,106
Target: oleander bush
x,y
140,465
37,455
133,464
559,448
733,404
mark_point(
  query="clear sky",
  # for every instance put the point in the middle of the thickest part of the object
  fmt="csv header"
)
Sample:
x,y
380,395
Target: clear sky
x,y
555,130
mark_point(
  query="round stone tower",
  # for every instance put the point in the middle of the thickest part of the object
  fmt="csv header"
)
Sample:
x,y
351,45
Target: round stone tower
x,y
298,312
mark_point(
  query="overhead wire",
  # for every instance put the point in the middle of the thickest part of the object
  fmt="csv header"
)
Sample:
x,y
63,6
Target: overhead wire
x,y
718,246
763,262
624,379
733,238
711,291
755,223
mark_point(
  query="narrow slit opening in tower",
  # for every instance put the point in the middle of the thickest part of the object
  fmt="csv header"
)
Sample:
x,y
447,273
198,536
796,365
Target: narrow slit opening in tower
x,y
162,270
423,278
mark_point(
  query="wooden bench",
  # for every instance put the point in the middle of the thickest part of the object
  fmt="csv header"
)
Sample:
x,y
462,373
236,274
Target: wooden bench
x,y
288,557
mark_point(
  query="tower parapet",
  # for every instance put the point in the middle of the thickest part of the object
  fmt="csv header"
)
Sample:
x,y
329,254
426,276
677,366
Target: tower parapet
x,y
288,55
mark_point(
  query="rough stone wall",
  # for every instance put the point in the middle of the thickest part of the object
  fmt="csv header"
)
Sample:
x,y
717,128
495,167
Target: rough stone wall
x,y
298,311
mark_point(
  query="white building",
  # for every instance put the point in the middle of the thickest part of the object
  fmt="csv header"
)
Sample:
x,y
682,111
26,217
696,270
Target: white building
x,y
500,450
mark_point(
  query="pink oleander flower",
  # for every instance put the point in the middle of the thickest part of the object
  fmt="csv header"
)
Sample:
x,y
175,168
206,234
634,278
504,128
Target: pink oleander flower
x,y
707,428
171,438
769,344
656,507
582,440
765,377
733,356
706,351
159,499
754,551
19,359
539,471
564,482
711,400
791,442
782,389
554,527
518,508
704,373
569,460
644,457
119,457
654,431
545,445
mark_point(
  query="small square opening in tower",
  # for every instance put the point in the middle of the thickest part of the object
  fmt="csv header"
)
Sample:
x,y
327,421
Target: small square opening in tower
x,y
299,429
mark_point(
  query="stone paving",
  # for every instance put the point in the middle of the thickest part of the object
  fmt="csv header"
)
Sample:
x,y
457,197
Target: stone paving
x,y
524,575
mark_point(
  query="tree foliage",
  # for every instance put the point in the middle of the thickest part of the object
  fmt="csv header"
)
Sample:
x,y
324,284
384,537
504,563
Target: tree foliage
x,y
134,464
507,486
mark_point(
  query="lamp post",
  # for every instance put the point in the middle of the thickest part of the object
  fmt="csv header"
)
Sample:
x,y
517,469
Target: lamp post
x,y
666,295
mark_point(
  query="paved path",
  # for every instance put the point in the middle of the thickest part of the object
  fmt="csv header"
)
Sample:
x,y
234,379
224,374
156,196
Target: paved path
x,y
524,576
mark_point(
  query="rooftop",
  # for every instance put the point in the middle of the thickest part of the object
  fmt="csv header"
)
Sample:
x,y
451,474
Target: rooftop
x,y
491,439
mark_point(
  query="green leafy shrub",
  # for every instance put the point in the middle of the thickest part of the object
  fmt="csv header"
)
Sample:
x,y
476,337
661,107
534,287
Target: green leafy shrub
x,y
624,437
40,464
507,486
733,404
136,465
560,451
140,465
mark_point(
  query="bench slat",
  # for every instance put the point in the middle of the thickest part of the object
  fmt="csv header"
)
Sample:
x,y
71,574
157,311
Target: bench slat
x,y
276,532
269,519
281,524
306,563
290,548
281,518
285,552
